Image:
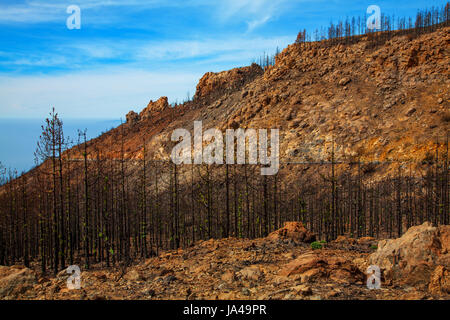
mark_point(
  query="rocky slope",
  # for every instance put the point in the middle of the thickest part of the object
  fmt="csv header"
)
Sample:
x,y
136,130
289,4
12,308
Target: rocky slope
x,y
389,103
277,267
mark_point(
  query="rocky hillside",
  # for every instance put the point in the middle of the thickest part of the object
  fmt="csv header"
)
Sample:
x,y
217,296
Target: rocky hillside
x,y
283,265
375,102
383,103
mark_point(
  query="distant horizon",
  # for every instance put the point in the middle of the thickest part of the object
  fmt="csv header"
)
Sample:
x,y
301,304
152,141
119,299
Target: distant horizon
x,y
19,138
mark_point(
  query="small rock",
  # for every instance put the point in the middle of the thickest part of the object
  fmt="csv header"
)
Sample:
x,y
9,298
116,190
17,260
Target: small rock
x,y
221,286
333,293
169,279
251,273
296,100
303,290
344,81
245,291
288,297
229,276
133,275
410,112
150,293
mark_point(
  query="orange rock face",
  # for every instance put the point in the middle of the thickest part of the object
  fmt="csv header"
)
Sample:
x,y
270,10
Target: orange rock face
x,y
212,83
311,266
154,107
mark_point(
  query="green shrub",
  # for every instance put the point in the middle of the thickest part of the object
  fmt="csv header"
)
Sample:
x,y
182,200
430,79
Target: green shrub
x,y
316,245
374,247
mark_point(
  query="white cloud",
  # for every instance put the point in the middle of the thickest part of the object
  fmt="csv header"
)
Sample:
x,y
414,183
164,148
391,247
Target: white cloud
x,y
102,94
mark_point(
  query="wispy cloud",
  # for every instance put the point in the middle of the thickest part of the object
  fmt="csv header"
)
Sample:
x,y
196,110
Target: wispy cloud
x,y
28,14
237,48
108,92
147,54
256,23
254,12
51,61
45,11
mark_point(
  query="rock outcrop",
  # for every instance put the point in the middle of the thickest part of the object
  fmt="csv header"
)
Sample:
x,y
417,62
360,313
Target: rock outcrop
x,y
419,258
154,107
132,118
213,84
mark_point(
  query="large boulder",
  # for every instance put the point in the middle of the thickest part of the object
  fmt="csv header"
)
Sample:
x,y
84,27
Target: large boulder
x,y
293,231
313,266
413,259
16,280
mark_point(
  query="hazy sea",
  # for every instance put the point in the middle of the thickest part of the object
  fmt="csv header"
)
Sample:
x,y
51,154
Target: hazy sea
x,y
18,138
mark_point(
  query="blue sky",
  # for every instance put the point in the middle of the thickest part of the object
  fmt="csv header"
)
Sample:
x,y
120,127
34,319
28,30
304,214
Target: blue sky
x,y
128,52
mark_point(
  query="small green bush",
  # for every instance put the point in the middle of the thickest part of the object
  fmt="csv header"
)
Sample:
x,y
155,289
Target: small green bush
x,y
322,241
316,245
373,247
